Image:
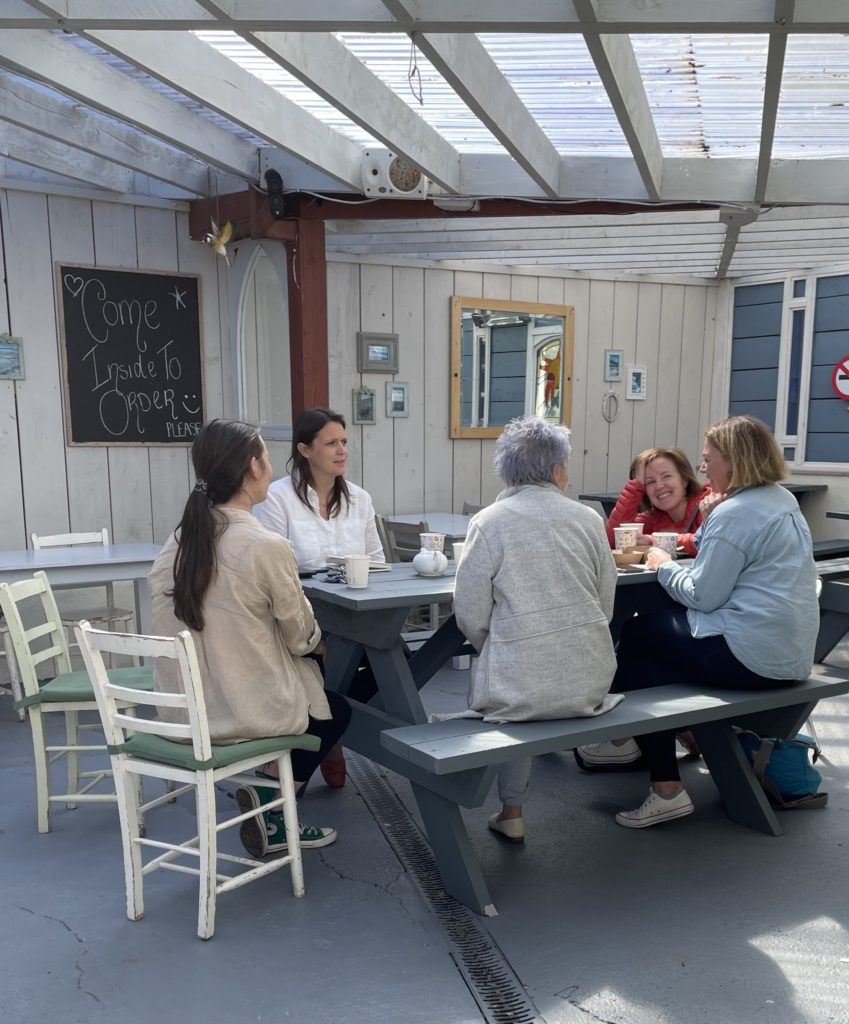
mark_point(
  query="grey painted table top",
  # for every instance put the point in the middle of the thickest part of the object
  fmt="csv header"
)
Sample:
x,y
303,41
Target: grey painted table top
x,y
838,514
82,560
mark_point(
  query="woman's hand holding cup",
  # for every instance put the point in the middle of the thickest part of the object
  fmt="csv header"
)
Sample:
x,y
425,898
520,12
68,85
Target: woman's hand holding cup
x,y
656,557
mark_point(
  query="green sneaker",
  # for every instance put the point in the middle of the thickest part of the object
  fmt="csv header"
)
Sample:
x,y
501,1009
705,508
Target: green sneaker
x,y
266,832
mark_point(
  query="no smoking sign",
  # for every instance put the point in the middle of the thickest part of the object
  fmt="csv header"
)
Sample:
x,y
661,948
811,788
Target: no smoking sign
x,y
840,378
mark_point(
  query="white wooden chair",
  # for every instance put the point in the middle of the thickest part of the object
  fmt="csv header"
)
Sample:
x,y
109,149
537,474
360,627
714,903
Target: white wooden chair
x,y
108,614
141,746
69,693
13,686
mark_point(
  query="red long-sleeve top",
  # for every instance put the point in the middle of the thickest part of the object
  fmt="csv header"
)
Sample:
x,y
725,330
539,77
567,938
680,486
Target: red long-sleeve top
x,y
655,521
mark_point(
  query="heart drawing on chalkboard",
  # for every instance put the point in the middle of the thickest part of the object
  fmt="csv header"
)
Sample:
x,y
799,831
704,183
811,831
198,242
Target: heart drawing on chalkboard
x,y
74,284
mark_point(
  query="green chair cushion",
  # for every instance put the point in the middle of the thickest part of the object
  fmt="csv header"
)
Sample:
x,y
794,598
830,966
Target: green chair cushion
x,y
181,755
72,686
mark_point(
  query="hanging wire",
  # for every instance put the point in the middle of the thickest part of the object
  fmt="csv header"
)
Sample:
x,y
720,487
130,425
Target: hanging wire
x,y
414,76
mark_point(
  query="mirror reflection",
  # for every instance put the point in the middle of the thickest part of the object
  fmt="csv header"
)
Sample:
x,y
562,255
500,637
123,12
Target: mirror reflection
x,y
508,359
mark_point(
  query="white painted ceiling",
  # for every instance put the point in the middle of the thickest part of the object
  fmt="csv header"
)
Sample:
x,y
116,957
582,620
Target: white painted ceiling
x,y
737,107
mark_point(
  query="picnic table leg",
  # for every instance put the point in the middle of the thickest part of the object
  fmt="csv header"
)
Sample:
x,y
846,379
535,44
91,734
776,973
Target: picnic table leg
x,y
457,862
742,795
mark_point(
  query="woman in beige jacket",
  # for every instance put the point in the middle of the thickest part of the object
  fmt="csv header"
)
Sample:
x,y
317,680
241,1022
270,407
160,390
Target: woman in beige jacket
x,y
235,585
534,595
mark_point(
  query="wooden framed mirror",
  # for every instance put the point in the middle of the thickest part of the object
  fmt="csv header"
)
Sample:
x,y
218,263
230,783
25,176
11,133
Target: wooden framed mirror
x,y
508,358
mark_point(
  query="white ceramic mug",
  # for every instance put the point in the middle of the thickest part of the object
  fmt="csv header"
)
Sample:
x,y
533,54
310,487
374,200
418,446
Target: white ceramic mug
x,y
666,542
432,541
457,550
625,537
356,570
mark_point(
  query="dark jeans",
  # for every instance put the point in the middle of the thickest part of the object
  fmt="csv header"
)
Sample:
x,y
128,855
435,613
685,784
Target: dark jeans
x,y
328,730
658,650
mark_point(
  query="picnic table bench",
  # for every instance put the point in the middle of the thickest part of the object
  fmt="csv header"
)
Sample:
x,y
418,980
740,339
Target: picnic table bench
x,y
470,751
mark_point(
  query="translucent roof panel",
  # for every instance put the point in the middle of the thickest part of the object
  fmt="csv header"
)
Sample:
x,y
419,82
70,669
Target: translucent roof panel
x,y
813,112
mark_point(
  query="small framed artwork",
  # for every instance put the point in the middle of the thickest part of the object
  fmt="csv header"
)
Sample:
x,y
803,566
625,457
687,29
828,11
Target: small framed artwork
x,y
377,353
614,359
365,407
11,358
397,398
635,387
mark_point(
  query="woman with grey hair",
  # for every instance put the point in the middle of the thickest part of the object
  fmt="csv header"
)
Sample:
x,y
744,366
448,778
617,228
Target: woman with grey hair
x,y
534,595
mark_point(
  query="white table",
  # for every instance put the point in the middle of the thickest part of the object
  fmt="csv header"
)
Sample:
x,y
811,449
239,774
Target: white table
x,y
455,527
90,563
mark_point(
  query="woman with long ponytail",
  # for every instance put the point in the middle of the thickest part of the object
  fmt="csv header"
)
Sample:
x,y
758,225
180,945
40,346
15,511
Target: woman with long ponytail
x,y
235,585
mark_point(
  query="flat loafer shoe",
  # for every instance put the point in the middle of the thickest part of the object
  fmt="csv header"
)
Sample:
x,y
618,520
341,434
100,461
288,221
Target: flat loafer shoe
x,y
511,829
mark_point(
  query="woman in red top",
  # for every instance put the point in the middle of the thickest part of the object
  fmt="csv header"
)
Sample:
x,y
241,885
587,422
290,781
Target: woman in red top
x,y
664,495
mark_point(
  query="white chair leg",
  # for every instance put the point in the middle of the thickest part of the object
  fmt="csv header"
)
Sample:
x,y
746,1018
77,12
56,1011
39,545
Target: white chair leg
x,y
72,757
42,770
208,848
810,729
290,820
14,674
126,791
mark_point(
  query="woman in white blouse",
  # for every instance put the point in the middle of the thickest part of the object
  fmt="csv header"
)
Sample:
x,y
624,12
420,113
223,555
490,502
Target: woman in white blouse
x,y
316,508
321,513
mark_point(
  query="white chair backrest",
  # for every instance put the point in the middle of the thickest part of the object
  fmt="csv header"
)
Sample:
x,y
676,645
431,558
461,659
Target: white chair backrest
x,y
64,540
49,626
189,698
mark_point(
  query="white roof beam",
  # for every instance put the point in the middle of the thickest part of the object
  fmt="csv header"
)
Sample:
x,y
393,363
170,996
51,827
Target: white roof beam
x,y
772,92
69,123
327,66
30,148
659,16
50,59
198,70
620,75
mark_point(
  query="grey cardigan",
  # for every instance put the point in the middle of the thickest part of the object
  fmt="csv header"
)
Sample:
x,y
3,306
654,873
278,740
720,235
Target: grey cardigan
x,y
534,595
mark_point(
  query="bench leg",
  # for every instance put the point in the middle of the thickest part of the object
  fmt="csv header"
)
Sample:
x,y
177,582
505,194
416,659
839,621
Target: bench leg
x,y
744,800
452,850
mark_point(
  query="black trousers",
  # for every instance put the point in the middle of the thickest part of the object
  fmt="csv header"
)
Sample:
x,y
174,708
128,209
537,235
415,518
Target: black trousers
x,y
659,650
328,730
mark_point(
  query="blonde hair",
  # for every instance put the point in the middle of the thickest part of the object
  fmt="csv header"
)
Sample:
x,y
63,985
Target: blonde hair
x,y
748,446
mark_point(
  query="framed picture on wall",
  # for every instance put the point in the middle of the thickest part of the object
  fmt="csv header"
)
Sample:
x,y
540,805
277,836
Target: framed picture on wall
x,y
365,407
614,359
397,398
377,353
11,358
635,387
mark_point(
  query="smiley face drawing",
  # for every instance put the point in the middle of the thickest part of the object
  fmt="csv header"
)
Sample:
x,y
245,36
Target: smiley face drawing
x,y
187,402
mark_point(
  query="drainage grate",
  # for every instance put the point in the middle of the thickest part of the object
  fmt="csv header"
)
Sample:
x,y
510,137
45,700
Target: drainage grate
x,y
483,966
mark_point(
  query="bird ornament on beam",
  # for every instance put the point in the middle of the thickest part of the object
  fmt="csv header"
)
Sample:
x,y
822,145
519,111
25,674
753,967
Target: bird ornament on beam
x,y
218,238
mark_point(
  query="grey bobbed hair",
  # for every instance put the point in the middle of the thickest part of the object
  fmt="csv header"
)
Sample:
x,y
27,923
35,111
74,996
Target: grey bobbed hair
x,y
528,450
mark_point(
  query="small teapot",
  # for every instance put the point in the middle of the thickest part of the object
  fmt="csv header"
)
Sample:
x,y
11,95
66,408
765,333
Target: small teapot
x,y
430,563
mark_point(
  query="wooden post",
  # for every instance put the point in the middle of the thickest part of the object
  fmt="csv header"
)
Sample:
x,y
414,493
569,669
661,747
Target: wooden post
x,y
307,274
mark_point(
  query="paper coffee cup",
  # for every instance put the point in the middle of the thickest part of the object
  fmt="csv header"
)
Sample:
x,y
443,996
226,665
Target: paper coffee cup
x,y
625,537
356,570
432,541
666,542
457,549
634,526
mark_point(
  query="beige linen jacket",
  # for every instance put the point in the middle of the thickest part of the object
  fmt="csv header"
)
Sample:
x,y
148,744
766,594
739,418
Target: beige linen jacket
x,y
534,595
258,625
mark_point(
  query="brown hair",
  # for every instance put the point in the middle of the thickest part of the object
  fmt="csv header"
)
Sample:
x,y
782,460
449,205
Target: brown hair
x,y
748,446
307,426
681,463
221,455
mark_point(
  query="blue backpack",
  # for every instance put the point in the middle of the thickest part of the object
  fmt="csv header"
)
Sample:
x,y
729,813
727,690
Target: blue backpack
x,y
783,769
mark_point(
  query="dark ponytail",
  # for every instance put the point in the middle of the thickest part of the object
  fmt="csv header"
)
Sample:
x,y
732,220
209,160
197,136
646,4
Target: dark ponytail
x,y
307,426
221,456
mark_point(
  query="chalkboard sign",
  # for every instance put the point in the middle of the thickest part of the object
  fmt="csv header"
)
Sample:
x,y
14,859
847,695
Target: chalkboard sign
x,y
131,353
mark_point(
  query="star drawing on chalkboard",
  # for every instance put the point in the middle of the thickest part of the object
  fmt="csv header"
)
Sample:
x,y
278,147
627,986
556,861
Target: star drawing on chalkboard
x,y
178,297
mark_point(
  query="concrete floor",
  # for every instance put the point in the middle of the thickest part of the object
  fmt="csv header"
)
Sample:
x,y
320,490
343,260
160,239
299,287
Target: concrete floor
x,y
697,921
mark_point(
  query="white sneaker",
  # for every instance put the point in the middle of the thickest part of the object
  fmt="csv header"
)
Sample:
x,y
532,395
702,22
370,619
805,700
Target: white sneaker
x,y
655,809
608,754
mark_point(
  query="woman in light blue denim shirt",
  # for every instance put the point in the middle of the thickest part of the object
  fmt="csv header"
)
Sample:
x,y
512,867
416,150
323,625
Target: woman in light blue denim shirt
x,y
750,614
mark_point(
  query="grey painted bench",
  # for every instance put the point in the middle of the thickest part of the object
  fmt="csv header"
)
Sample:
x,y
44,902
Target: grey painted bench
x,y
470,751
830,549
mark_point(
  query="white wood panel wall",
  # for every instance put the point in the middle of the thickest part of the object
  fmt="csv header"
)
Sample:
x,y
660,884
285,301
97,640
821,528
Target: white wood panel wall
x,y
411,465
48,487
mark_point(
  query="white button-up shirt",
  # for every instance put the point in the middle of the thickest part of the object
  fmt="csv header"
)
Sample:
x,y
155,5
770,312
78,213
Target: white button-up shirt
x,y
351,532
